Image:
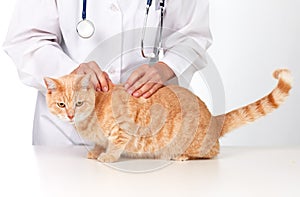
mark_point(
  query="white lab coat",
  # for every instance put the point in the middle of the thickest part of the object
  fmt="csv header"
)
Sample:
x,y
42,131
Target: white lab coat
x,y
42,41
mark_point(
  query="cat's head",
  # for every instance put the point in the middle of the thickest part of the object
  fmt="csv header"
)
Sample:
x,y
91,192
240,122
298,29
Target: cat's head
x,y
71,97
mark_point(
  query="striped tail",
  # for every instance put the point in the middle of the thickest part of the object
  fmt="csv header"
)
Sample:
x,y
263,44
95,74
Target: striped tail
x,y
260,108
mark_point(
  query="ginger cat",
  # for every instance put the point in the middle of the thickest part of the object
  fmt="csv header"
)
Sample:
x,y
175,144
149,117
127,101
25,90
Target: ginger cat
x,y
172,124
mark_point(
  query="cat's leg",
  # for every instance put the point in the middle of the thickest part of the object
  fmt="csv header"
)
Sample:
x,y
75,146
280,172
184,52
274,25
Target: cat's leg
x,y
117,142
95,152
196,154
213,152
112,154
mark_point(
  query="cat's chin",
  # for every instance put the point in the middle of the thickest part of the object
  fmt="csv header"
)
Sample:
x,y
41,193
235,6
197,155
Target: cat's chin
x,y
68,121
71,122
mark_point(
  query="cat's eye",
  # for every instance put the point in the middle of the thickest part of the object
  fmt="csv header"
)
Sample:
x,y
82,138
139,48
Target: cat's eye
x,y
61,105
79,103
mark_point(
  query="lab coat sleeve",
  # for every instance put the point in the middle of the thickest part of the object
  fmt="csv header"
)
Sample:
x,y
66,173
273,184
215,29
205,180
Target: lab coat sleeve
x,y
33,42
188,37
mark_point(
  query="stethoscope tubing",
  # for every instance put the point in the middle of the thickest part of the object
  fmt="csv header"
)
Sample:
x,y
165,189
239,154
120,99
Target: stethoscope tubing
x,y
157,49
83,15
85,28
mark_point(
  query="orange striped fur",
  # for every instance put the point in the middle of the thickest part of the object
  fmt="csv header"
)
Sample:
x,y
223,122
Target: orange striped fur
x,y
172,124
263,106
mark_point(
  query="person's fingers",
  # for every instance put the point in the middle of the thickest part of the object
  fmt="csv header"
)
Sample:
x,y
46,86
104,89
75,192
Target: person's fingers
x,y
103,78
99,79
144,79
151,91
93,68
143,89
134,77
149,83
84,69
79,69
94,80
134,89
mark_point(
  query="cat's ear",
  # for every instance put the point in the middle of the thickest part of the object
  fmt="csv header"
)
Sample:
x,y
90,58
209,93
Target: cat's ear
x,y
50,84
85,81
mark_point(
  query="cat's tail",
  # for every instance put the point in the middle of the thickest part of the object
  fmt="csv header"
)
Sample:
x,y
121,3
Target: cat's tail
x,y
263,106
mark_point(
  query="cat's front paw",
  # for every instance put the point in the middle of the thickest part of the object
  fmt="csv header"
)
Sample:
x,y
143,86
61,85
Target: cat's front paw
x,y
95,152
93,155
107,158
181,158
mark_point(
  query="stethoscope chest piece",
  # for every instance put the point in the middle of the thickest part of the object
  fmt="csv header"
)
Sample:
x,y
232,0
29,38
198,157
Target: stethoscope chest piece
x,y
85,28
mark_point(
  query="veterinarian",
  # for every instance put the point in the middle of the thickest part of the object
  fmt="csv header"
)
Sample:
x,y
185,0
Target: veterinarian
x,y
54,37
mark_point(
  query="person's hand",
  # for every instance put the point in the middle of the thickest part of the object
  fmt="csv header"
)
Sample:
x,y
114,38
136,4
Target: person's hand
x,y
99,78
146,80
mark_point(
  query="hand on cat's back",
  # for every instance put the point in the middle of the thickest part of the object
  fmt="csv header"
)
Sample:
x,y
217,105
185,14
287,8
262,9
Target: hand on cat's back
x,y
99,78
146,79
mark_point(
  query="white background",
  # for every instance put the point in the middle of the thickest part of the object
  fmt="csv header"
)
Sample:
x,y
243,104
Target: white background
x,y
251,39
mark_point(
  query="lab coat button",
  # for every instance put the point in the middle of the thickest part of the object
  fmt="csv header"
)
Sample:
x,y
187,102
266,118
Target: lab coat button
x,y
114,8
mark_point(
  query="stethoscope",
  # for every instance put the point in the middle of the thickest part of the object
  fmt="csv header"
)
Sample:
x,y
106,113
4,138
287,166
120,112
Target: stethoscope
x,y
85,28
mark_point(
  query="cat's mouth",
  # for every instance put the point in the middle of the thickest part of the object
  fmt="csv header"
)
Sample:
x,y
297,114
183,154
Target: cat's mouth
x,y
70,121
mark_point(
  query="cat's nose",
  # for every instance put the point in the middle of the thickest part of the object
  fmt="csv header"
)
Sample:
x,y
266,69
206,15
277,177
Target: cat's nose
x,y
71,116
